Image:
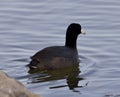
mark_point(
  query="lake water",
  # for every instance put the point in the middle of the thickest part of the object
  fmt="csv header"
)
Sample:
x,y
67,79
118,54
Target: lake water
x,y
26,26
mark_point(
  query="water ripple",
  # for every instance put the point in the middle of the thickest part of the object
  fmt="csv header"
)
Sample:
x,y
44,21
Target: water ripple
x,y
27,26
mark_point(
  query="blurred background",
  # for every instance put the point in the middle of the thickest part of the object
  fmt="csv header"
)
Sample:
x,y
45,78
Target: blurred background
x,y
27,26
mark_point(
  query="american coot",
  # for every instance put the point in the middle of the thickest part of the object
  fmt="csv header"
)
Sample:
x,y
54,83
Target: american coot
x,y
56,57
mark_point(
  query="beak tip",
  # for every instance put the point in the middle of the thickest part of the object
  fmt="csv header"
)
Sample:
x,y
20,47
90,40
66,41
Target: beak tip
x,y
83,33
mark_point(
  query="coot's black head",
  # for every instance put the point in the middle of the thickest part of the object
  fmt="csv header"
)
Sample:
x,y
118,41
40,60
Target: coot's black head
x,y
74,28
72,32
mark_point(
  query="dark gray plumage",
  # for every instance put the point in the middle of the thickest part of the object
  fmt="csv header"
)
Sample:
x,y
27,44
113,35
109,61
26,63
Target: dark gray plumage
x,y
56,57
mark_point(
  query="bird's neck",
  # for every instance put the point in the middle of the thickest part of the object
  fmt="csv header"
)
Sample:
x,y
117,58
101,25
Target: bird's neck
x,y
71,41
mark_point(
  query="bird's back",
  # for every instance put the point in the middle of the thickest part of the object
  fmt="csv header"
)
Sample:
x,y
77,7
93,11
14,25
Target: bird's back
x,y
56,51
55,57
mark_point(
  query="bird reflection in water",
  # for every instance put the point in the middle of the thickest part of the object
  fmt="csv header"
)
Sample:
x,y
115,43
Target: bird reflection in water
x,y
71,75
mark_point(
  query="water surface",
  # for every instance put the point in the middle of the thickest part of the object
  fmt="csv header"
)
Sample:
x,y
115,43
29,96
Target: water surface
x,y
27,26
